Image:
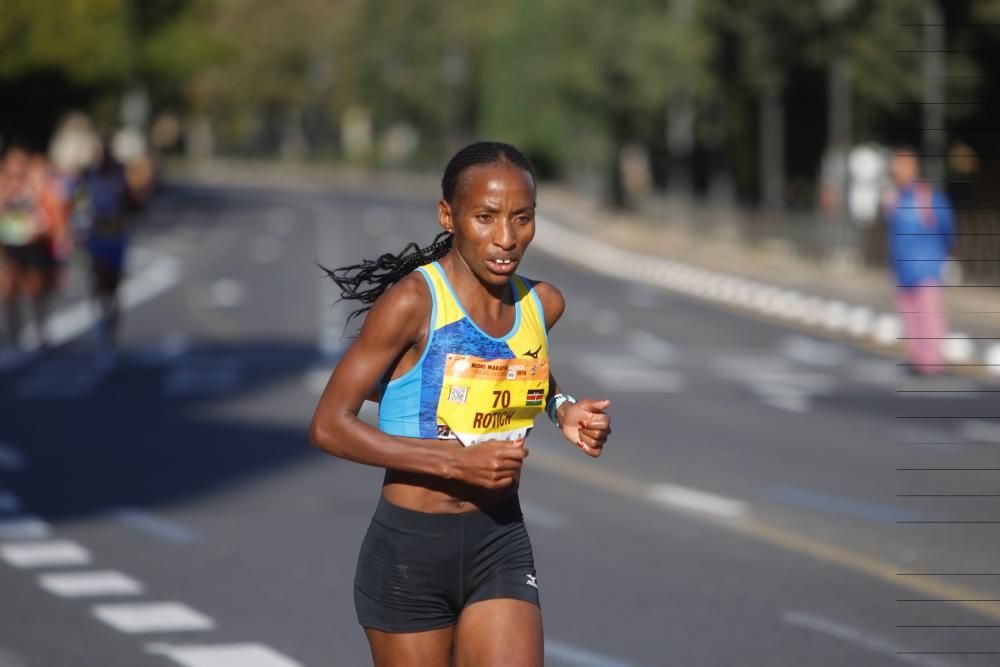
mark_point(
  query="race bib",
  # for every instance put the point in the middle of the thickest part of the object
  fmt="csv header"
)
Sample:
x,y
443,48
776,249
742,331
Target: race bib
x,y
490,399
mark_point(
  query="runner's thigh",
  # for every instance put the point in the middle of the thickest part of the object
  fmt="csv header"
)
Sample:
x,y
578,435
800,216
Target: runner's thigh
x,y
431,648
500,632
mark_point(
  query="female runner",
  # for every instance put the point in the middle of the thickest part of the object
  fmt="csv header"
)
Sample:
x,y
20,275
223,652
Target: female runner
x,y
455,350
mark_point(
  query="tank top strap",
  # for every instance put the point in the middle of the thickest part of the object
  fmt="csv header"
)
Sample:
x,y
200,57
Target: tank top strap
x,y
446,308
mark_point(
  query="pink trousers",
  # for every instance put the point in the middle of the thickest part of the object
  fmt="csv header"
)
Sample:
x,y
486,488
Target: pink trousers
x,y
921,309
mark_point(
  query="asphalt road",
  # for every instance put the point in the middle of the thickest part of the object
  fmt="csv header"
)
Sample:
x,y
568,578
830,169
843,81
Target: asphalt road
x,y
768,497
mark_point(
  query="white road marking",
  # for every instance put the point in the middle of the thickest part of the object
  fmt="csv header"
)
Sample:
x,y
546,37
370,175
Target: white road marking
x,y
697,501
958,348
62,378
979,429
55,553
24,528
858,638
194,378
811,351
152,617
650,347
834,315
9,502
10,458
266,250
172,346
626,373
226,293
859,321
543,518
155,525
774,381
222,655
89,584
580,657
161,273
887,329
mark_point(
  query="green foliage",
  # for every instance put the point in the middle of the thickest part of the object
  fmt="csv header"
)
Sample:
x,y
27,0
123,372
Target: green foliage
x,y
87,40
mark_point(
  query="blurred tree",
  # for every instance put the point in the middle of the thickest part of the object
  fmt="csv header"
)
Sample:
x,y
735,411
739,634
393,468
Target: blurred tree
x,y
618,64
86,40
417,63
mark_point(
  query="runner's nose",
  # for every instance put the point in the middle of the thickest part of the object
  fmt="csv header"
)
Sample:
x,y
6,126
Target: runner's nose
x,y
505,235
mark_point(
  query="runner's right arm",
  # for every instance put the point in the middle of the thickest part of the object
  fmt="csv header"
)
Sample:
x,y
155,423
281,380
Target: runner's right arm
x,y
396,329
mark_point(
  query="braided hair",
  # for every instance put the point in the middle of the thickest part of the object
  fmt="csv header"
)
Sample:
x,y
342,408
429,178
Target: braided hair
x,y
367,281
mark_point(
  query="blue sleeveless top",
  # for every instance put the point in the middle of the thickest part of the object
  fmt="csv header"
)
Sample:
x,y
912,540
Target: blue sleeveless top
x,y
409,403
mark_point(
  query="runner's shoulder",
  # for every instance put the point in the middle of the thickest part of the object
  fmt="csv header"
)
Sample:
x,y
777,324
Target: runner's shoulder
x,y
405,305
553,303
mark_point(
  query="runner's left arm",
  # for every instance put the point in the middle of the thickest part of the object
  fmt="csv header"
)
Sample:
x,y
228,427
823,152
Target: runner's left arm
x,y
585,422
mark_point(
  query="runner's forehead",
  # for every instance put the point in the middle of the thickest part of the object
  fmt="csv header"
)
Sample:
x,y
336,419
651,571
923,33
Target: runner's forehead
x,y
492,182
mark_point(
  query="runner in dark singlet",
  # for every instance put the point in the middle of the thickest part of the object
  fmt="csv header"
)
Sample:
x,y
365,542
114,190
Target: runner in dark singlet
x,y
455,350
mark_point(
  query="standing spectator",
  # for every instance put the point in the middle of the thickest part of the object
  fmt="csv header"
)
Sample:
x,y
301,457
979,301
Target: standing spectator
x,y
921,235
105,237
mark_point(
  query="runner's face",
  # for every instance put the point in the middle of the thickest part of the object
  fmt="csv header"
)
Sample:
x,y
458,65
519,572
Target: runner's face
x,y
905,168
493,218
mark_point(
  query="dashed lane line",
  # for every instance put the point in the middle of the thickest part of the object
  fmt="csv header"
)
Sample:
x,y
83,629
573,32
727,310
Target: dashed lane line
x,y
222,655
859,638
24,527
53,553
142,617
569,654
90,584
154,525
627,486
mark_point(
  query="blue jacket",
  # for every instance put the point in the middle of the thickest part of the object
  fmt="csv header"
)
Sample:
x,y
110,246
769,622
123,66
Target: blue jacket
x,y
921,229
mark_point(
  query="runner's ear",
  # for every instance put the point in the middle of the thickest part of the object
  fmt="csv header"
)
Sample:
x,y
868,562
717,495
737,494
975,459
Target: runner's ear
x,y
444,216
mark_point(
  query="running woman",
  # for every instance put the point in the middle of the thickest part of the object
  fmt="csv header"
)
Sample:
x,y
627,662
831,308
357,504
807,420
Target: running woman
x,y
455,350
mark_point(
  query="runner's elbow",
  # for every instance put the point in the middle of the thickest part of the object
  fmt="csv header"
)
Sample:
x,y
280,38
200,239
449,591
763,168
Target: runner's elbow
x,y
326,438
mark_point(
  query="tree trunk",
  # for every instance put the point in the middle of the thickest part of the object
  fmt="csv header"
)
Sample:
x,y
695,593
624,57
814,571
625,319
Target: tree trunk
x,y
772,151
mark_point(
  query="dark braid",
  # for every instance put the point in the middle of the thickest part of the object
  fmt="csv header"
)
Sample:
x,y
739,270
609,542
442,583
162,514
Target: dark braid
x,y
367,281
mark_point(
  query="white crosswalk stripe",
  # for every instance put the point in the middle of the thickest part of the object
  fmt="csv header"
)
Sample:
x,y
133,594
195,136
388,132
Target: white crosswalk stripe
x,y
775,380
55,553
135,618
222,655
89,584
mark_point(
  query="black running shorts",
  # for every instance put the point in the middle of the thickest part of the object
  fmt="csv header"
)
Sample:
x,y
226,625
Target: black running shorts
x,y
417,571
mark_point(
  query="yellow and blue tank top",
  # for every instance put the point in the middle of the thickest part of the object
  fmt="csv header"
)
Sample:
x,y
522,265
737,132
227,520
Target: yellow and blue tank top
x,y
467,384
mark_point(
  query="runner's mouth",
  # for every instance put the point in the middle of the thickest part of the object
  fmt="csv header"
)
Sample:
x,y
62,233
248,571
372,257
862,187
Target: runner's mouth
x,y
502,265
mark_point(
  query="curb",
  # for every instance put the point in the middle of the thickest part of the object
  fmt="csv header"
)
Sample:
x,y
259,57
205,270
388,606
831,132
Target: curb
x,y
862,325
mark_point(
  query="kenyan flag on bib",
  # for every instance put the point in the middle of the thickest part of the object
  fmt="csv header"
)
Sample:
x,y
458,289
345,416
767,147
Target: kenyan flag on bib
x,y
535,397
